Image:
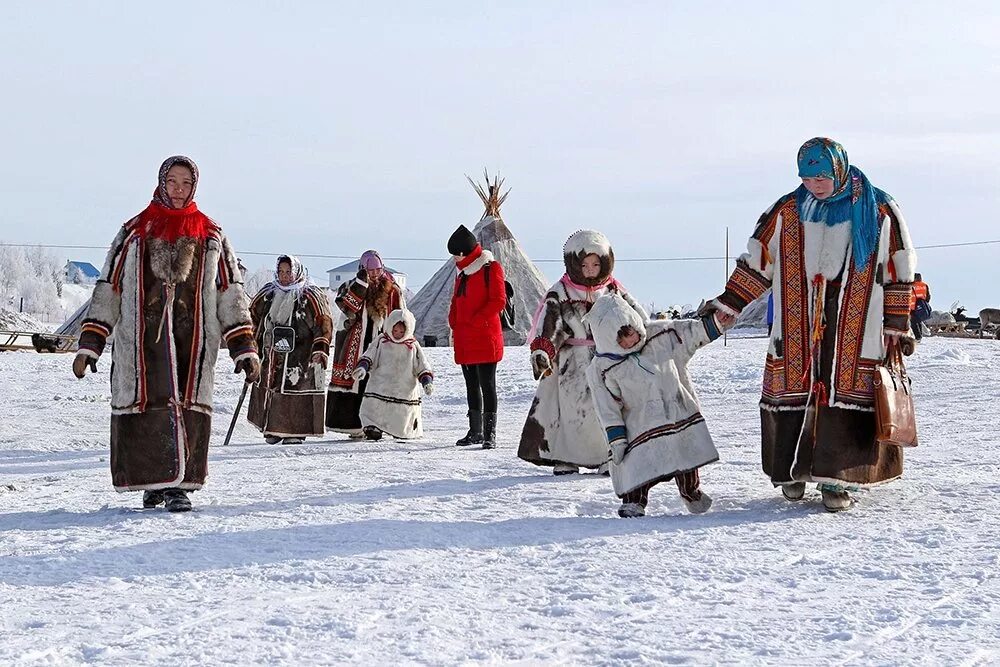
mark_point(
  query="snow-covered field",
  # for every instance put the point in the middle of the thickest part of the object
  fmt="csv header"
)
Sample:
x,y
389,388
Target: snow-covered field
x,y
422,553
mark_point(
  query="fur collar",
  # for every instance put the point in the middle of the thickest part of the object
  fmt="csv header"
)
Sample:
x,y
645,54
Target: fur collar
x,y
485,258
172,262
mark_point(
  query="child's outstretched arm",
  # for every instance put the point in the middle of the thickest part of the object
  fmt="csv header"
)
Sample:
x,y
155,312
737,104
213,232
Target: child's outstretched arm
x,y
684,337
607,403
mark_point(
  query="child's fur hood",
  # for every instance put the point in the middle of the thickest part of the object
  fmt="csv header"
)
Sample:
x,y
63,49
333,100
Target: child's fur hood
x,y
607,316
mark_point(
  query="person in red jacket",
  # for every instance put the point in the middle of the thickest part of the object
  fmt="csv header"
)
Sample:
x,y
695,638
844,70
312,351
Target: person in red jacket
x,y
474,317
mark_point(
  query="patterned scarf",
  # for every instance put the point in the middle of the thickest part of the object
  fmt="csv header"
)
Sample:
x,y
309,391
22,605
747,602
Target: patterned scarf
x,y
160,220
854,198
286,296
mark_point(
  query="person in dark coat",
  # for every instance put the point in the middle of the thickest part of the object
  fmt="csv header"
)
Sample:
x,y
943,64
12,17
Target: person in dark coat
x,y
365,301
474,317
172,293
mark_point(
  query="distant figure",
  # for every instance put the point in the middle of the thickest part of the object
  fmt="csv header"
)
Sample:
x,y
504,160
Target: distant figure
x,y
397,371
841,261
170,290
770,312
292,327
365,300
920,306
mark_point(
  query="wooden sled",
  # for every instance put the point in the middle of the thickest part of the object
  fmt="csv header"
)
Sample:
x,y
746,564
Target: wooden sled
x,y
39,342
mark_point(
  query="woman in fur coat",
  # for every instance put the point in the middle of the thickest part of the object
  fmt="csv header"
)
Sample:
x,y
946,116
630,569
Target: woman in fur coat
x,y
396,370
292,328
562,430
365,302
171,291
474,317
647,404
838,257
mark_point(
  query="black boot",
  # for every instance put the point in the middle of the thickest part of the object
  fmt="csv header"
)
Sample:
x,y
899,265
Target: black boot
x,y
373,433
177,500
475,434
151,498
490,430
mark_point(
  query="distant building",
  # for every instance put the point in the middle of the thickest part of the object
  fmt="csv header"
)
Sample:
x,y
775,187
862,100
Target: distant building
x,y
342,274
81,273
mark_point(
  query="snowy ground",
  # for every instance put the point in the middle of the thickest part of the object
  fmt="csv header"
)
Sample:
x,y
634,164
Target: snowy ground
x,y
422,553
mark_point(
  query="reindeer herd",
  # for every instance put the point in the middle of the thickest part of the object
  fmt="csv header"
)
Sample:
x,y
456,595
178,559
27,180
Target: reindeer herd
x,y
957,323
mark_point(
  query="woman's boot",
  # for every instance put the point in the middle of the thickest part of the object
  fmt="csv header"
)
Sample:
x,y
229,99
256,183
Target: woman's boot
x,y
490,430
176,500
835,498
475,434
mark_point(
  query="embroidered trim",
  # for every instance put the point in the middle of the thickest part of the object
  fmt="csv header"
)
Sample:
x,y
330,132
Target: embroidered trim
x,y
794,302
93,326
855,302
897,298
744,286
238,330
665,430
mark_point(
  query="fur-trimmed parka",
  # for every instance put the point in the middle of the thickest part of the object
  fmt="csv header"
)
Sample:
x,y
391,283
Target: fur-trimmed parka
x,y
562,427
170,306
289,399
644,397
396,370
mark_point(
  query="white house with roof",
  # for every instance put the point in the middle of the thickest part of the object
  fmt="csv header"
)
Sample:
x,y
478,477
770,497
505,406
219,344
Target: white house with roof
x,y
81,273
341,274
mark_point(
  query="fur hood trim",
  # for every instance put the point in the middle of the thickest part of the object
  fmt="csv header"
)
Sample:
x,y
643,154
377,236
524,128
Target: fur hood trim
x,y
400,315
607,316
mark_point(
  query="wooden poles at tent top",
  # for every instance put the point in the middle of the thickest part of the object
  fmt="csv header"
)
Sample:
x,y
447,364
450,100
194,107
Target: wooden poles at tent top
x,y
490,194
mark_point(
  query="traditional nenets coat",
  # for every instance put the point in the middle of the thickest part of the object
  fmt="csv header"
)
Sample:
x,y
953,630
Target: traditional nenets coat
x,y
289,398
364,305
840,270
562,429
396,370
172,292
646,403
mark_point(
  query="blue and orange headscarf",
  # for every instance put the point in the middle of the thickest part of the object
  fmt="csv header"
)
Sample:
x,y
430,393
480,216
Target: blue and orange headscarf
x,y
854,198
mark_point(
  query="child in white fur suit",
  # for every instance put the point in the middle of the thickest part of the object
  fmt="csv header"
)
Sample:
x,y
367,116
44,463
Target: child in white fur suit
x,y
647,404
397,367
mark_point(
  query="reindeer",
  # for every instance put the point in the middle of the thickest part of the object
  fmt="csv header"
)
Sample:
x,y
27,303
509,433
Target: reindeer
x,y
987,317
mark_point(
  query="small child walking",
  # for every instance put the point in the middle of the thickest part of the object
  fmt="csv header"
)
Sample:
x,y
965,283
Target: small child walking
x,y
647,404
397,369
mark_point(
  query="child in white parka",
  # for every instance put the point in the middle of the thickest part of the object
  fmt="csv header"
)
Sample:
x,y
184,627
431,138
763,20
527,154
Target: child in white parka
x,y
647,404
397,367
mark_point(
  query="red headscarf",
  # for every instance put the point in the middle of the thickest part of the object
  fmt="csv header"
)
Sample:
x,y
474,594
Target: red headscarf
x,y
161,220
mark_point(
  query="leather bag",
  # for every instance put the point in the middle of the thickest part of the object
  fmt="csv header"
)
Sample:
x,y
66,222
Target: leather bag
x,y
895,421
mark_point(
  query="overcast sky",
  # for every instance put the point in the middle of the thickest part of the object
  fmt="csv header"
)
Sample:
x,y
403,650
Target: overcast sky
x,y
327,128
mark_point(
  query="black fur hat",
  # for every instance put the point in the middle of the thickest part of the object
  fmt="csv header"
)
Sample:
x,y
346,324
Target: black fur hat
x,y
462,242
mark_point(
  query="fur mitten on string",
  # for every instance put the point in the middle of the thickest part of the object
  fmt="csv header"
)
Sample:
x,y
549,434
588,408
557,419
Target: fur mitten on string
x,y
541,365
